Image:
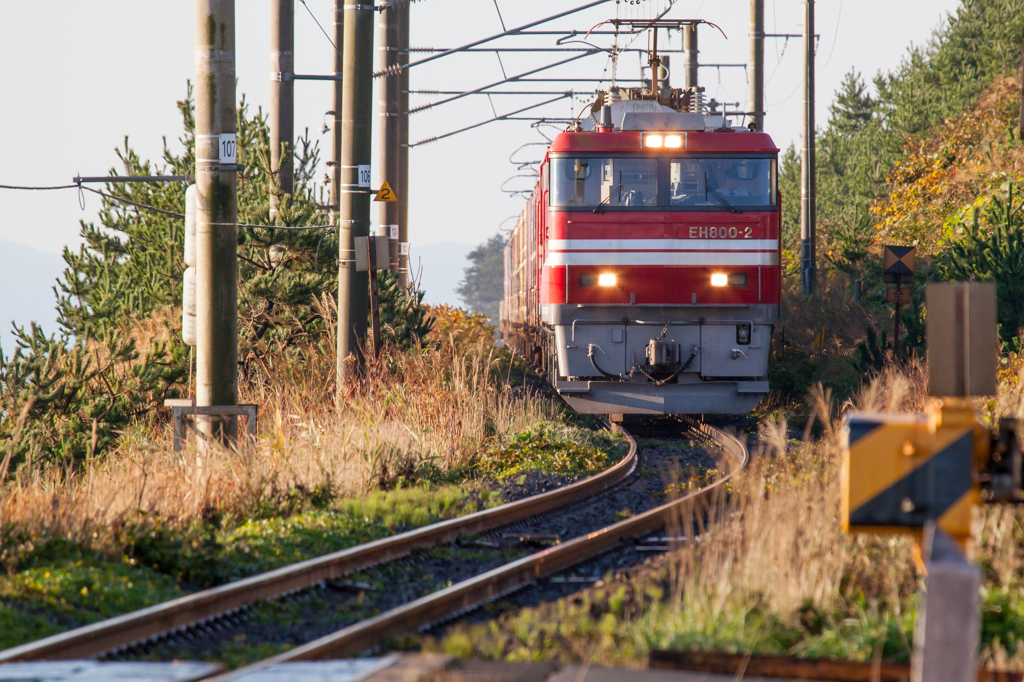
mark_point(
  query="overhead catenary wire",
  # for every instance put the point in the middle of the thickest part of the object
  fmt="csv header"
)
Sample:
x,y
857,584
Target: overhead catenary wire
x,y
503,117
513,79
313,16
395,70
155,209
835,36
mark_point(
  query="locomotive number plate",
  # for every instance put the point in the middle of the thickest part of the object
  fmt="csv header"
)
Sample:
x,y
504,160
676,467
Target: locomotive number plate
x,y
721,232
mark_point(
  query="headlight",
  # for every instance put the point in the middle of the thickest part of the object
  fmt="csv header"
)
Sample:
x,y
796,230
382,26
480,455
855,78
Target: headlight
x,y
607,279
673,141
732,279
654,141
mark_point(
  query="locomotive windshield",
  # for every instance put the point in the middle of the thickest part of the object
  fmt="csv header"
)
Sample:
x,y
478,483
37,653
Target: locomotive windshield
x,y
645,182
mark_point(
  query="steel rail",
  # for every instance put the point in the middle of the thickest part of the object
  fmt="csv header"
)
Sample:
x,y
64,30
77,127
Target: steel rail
x,y
137,626
430,609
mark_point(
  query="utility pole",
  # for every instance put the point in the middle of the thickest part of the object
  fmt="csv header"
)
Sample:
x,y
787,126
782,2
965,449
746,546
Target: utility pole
x,y
690,55
282,96
388,119
354,185
216,216
346,254
404,10
808,184
757,63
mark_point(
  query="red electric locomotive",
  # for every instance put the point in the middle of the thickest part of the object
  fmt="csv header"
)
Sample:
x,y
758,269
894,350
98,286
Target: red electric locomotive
x,y
643,275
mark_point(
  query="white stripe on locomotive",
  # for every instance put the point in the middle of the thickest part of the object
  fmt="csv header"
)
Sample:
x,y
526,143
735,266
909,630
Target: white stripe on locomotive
x,y
724,258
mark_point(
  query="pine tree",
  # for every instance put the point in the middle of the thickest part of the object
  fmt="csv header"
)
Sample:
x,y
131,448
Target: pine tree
x,y
69,396
991,249
853,106
482,286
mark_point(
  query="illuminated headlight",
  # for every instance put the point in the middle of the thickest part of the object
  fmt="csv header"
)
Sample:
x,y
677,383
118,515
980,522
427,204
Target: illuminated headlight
x,y
673,141
719,279
607,279
654,141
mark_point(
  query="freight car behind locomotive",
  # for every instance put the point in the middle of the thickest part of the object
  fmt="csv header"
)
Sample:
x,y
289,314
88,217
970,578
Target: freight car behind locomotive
x,y
643,275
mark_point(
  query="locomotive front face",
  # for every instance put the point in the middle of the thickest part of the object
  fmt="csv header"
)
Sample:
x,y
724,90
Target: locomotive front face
x,y
659,274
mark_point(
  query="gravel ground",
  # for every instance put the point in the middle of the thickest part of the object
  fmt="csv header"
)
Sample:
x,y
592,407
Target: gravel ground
x,y
279,624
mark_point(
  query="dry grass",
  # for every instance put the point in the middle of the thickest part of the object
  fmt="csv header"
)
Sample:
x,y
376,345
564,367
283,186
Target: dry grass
x,y
436,407
775,546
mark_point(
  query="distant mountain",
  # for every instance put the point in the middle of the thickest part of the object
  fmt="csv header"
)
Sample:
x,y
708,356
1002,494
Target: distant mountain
x,y
27,277
441,268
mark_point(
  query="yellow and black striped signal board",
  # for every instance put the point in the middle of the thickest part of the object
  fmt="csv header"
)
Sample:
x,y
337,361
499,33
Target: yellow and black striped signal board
x,y
901,471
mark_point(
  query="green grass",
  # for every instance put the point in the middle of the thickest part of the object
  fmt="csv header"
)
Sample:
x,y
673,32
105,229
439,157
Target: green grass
x,y
81,591
554,450
53,584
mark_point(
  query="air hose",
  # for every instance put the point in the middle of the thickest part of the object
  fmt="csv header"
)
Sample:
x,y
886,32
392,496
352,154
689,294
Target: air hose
x,y
593,361
686,366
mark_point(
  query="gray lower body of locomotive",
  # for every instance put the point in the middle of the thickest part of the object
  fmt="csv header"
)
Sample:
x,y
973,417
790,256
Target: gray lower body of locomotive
x,y
659,359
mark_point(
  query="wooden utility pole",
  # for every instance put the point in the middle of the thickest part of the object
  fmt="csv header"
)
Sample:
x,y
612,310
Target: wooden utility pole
x,y
282,96
216,216
690,63
354,185
403,141
757,63
808,189
388,120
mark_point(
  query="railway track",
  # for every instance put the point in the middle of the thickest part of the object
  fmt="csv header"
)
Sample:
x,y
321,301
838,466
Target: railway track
x,y
147,625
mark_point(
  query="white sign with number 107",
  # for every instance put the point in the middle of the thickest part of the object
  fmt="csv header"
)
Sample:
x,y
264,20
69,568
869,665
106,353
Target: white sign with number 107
x,y
228,148
364,176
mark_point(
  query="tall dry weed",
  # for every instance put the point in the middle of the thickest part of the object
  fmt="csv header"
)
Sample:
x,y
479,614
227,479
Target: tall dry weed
x,y
773,544
436,407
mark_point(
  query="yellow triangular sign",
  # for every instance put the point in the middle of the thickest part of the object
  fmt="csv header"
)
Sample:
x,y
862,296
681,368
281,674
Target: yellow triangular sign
x,y
385,193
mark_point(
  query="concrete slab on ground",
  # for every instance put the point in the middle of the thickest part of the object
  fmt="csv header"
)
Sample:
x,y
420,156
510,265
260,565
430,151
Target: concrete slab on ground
x,y
438,668
348,670
93,671
575,673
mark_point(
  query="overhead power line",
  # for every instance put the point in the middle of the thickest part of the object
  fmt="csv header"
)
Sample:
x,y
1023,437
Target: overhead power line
x,y
395,70
505,117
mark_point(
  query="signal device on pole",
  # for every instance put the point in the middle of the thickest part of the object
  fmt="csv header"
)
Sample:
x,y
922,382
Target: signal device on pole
x,y
901,472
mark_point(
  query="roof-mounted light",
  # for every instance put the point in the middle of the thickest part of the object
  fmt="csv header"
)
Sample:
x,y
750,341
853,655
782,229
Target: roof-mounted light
x,y
654,141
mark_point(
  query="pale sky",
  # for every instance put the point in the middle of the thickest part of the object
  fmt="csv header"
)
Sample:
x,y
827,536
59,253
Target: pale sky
x,y
80,76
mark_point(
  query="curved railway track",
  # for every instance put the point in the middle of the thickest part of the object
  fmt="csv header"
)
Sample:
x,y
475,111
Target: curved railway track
x,y
148,624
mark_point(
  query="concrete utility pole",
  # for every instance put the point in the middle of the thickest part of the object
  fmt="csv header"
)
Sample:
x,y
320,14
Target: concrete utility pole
x,y
282,96
336,97
757,63
216,216
354,185
403,141
690,55
808,184
387,118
